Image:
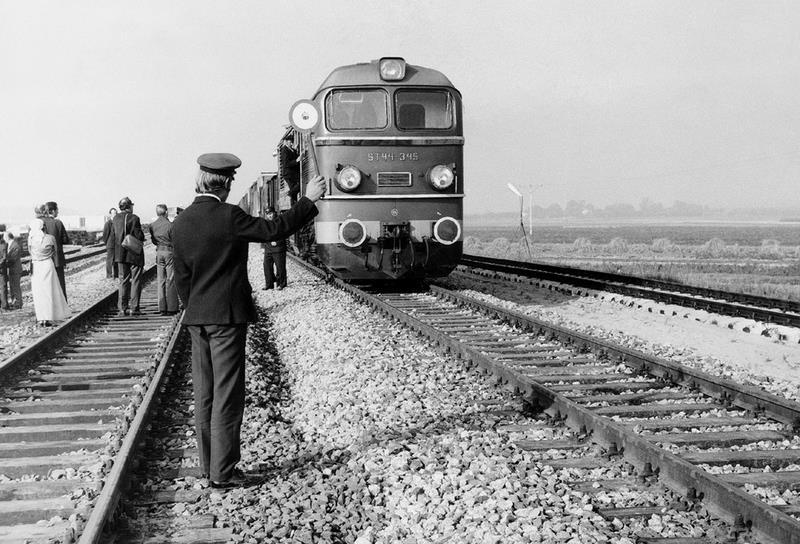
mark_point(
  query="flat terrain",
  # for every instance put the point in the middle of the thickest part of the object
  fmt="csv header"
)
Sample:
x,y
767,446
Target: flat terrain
x,y
760,259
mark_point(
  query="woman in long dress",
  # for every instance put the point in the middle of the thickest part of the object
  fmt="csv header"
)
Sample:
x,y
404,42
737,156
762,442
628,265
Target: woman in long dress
x,y
48,298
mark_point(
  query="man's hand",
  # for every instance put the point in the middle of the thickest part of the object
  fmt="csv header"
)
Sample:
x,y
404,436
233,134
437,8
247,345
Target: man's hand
x,y
315,188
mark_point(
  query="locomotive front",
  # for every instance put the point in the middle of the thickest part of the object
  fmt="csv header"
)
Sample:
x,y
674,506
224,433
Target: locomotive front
x,y
391,143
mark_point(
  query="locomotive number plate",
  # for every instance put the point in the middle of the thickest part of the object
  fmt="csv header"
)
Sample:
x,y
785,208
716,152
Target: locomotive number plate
x,y
392,156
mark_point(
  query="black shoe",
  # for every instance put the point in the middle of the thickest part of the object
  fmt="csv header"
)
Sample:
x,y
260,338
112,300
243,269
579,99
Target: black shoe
x,y
280,287
237,479
135,312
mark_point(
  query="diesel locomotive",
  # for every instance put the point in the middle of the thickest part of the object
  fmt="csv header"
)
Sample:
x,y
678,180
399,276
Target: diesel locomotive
x,y
389,140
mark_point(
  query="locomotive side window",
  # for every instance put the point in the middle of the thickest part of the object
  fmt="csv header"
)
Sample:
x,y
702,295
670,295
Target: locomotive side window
x,y
423,109
363,109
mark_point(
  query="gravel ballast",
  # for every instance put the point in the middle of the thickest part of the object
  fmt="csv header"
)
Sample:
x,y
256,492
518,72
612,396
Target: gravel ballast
x,y
366,434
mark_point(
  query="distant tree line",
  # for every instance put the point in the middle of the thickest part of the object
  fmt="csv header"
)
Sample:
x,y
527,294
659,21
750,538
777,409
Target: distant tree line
x,y
650,209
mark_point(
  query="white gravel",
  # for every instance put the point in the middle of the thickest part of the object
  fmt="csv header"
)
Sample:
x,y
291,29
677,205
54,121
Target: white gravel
x,y
369,436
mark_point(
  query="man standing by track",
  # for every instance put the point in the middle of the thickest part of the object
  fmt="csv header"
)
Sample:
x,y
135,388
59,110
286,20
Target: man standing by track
x,y
274,258
210,243
14,271
160,234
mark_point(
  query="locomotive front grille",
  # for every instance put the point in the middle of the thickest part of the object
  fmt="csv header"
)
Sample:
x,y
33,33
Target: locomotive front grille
x,y
394,179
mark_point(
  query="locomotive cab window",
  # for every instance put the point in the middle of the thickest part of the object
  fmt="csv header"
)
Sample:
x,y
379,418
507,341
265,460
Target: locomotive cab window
x,y
423,109
362,109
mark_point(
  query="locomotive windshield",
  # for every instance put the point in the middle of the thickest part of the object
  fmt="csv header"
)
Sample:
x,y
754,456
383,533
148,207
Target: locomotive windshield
x,y
423,109
360,109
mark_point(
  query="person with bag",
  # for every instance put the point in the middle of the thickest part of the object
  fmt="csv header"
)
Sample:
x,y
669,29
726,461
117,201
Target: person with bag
x,y
49,302
129,257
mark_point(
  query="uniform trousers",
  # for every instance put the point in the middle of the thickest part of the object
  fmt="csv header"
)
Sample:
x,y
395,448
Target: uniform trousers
x,y
14,276
165,273
218,353
130,286
62,280
111,270
278,261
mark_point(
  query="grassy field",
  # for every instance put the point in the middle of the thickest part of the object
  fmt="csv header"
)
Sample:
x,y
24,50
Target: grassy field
x,y
757,259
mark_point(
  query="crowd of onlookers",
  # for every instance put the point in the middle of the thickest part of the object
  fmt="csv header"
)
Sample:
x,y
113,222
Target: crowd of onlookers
x,y
124,240
46,240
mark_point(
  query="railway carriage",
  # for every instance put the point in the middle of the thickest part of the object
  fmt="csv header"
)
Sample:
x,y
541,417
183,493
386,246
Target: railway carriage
x,y
390,143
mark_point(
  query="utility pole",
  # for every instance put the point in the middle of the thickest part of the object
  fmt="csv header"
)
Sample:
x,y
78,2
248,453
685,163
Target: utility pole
x,y
521,216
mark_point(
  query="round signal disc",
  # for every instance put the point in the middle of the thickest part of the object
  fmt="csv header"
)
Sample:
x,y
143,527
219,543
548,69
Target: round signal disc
x,y
304,115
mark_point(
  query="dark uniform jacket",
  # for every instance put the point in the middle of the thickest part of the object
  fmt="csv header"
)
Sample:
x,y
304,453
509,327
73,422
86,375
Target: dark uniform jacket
x,y
108,234
210,242
160,233
55,227
127,223
277,246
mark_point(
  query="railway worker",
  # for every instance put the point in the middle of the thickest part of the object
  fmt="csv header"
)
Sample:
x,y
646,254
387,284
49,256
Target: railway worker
x,y
129,262
210,242
108,240
54,227
14,271
3,273
160,230
274,258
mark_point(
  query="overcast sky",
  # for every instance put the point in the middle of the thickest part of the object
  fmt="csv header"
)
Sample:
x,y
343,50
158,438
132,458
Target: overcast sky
x,y
601,101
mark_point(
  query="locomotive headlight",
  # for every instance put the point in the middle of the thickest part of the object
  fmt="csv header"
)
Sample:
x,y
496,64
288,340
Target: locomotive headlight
x,y
441,176
349,178
392,68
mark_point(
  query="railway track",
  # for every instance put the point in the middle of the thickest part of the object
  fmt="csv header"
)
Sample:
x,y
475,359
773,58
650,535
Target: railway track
x,y
717,445
75,262
69,408
782,312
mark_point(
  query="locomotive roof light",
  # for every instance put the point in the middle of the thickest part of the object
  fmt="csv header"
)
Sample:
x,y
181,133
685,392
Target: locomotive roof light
x,y
352,233
441,176
392,68
349,178
447,231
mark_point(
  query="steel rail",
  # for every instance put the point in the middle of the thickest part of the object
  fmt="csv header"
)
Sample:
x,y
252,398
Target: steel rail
x,y
745,396
59,333
722,499
112,489
723,302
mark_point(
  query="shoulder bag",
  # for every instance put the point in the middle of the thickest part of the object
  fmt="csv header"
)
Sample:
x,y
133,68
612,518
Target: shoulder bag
x,y
131,242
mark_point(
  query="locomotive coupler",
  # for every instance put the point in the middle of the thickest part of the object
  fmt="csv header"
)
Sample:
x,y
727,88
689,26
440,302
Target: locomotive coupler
x,y
396,234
